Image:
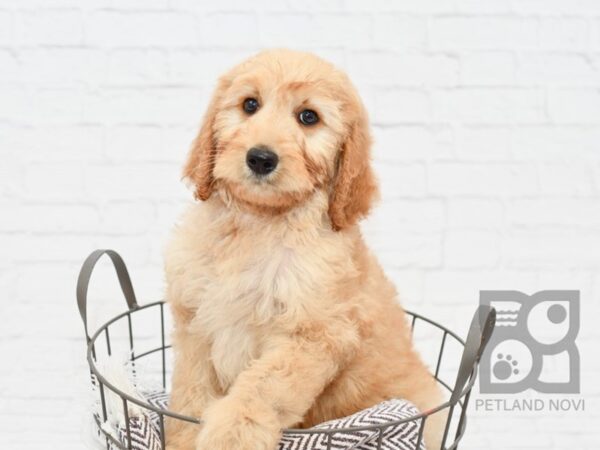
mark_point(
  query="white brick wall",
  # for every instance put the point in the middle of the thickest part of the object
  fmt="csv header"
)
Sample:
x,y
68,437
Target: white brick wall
x,y
486,116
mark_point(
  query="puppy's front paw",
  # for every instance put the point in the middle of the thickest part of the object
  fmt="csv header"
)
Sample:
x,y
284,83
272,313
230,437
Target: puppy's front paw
x,y
232,425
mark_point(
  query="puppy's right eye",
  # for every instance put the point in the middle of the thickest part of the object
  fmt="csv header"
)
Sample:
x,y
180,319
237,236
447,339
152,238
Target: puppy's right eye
x,y
250,105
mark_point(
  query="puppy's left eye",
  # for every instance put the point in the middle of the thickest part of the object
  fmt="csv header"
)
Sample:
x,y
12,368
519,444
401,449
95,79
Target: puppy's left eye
x,y
250,105
308,117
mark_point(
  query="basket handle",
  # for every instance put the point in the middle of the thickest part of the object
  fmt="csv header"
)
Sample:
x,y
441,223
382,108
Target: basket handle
x,y
85,274
482,327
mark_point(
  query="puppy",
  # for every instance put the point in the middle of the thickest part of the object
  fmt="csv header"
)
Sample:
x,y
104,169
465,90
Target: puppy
x,y
283,318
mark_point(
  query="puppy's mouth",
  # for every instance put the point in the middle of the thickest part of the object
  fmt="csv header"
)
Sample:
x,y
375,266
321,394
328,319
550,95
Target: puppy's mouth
x,y
256,179
261,195
263,192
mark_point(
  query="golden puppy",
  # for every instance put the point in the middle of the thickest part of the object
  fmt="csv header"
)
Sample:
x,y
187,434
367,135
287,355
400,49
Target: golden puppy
x,y
283,318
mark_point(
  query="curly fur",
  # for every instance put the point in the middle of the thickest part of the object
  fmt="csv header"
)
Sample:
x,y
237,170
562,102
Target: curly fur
x,y
282,315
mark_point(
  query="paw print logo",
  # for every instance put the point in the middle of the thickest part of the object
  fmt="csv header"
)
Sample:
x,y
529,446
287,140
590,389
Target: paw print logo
x,y
505,367
533,345
509,364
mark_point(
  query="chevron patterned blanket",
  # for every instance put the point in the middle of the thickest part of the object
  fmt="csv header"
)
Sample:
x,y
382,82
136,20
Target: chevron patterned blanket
x,y
145,430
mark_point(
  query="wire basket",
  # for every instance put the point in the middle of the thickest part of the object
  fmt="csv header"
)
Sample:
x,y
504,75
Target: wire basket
x,y
478,336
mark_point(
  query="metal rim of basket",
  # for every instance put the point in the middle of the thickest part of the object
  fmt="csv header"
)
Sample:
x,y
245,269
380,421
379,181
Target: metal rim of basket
x,y
479,333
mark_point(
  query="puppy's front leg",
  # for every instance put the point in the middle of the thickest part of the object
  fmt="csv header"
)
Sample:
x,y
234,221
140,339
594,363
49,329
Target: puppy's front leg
x,y
274,392
194,387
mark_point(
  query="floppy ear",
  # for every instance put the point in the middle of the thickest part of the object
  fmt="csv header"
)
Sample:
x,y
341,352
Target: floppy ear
x,y
201,158
355,186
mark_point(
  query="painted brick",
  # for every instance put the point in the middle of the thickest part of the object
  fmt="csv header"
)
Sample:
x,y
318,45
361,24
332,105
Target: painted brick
x,y
488,68
454,179
475,214
413,143
399,32
399,69
142,29
574,105
485,143
46,67
565,212
471,249
557,69
489,106
564,34
50,27
401,106
245,24
401,180
6,27
451,33
138,66
10,67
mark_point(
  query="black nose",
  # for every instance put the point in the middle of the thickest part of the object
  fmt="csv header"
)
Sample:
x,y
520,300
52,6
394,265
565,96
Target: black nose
x,y
261,160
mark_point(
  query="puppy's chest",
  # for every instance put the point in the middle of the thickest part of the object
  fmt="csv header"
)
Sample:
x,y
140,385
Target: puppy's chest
x,y
247,289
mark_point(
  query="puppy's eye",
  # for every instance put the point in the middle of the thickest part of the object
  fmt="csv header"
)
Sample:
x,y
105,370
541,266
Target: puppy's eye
x,y
250,105
308,117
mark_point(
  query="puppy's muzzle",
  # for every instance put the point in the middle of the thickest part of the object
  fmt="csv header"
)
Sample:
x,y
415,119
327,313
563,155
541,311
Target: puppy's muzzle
x,y
261,160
